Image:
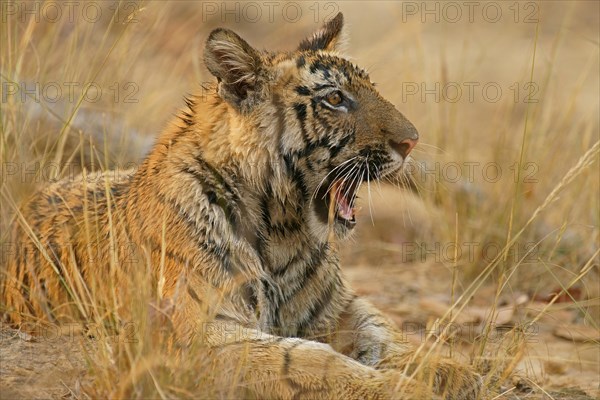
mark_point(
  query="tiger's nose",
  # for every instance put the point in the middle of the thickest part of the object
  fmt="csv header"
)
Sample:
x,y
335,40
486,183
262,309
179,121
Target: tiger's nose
x,y
404,147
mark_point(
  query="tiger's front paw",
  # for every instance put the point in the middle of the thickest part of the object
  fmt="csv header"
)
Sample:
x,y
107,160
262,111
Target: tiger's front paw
x,y
396,385
456,381
447,378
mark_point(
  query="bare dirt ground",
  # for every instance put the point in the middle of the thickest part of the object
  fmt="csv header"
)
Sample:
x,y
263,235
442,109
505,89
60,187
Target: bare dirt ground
x,y
40,368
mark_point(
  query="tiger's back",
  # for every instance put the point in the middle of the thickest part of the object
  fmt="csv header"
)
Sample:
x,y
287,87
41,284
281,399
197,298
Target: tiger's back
x,y
59,248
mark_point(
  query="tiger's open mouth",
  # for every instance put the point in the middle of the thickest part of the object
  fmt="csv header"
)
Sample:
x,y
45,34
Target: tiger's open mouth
x,y
335,202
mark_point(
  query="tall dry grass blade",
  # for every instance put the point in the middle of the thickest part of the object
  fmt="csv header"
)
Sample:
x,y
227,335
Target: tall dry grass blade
x,y
584,162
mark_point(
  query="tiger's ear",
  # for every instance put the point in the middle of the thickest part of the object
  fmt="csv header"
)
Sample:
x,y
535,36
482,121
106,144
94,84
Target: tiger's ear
x,y
234,63
329,38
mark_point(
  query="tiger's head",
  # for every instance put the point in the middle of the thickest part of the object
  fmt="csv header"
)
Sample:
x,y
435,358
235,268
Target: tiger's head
x,y
319,116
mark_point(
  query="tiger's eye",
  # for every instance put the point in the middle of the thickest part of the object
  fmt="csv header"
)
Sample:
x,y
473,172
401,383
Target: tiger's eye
x,y
334,98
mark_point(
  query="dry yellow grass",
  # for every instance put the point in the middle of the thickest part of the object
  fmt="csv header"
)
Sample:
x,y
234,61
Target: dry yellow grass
x,y
507,107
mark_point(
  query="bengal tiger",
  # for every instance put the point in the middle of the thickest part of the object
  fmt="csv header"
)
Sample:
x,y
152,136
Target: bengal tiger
x,y
237,209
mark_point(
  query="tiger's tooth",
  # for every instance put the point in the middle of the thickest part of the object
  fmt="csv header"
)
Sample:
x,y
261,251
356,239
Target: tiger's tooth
x,y
332,207
333,201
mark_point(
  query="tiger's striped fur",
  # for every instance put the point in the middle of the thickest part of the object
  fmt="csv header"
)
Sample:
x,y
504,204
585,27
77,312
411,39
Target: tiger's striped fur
x,y
230,209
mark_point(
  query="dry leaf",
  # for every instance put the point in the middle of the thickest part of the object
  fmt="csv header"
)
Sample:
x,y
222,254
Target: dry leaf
x,y
577,333
26,337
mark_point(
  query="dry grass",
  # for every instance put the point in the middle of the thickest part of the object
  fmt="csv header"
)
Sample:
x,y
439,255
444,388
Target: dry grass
x,y
528,239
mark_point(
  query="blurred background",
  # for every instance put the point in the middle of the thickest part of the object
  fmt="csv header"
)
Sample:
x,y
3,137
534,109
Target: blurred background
x,y
500,229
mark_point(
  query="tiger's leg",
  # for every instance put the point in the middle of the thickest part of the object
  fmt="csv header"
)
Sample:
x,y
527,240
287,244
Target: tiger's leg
x,y
369,337
278,367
